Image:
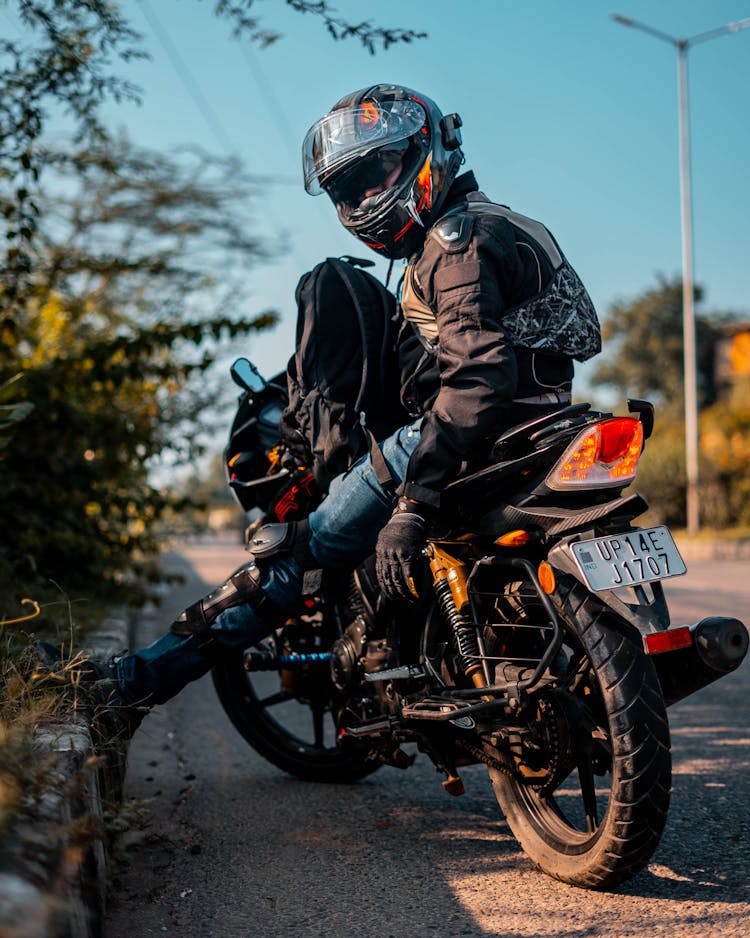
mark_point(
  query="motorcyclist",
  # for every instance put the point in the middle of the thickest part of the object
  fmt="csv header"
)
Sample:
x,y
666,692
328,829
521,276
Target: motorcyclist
x,y
493,317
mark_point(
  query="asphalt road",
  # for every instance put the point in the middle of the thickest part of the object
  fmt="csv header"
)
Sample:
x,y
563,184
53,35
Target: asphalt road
x,y
217,842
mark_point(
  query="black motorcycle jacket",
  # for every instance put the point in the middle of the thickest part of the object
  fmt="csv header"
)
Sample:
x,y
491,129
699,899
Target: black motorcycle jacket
x,y
493,317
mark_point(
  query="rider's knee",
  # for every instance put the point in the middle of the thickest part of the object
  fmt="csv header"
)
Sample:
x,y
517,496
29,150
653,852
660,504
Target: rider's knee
x,y
278,540
269,542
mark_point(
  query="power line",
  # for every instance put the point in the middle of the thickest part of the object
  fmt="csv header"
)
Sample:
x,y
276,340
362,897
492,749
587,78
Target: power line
x,y
209,113
266,89
277,113
13,23
192,86
202,103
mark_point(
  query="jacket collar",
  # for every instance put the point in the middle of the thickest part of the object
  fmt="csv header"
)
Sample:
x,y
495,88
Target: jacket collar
x,y
462,186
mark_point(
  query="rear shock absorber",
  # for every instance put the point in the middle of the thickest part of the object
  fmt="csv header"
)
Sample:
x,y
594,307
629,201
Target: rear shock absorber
x,y
449,579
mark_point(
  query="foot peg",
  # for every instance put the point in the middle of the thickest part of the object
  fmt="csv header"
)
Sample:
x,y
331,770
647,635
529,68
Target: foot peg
x,y
454,785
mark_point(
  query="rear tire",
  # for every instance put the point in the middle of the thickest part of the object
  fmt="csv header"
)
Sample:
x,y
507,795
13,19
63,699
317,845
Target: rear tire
x,y
619,768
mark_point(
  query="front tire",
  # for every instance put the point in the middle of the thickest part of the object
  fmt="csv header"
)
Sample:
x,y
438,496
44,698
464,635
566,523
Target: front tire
x,y
289,733
602,818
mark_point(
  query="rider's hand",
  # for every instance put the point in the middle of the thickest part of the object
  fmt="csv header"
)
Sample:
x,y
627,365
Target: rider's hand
x,y
288,460
399,550
297,448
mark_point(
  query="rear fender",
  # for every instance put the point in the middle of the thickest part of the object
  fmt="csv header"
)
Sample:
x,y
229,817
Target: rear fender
x,y
643,606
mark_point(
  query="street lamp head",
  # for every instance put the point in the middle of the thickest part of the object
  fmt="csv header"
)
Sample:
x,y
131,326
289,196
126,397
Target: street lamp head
x,y
682,44
644,27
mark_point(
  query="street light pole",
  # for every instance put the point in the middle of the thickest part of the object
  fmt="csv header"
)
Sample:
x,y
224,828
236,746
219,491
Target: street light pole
x,y
688,295
688,313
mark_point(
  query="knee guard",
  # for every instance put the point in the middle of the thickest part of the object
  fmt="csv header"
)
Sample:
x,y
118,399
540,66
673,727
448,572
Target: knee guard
x,y
293,537
243,586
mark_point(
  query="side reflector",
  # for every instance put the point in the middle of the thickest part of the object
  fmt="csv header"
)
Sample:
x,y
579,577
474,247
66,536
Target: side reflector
x,y
513,539
546,578
658,642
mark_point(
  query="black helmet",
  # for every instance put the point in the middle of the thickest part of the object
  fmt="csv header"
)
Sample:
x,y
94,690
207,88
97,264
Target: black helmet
x,y
386,156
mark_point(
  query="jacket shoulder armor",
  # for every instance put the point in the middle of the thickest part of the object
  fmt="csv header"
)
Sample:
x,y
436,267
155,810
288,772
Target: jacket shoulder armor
x,y
453,232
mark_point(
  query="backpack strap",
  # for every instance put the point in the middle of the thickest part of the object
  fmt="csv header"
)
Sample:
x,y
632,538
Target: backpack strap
x,y
377,460
348,275
368,315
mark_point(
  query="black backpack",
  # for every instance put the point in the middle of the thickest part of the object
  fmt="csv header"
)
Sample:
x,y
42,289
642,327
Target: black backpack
x,y
344,378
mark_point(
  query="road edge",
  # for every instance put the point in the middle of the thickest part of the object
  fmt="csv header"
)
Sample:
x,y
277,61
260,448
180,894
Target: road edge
x,y
53,862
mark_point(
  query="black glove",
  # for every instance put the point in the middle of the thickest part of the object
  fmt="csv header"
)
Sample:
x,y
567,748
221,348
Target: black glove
x,y
295,442
297,450
398,552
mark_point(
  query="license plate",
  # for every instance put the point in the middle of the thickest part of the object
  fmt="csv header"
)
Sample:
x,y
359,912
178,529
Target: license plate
x,y
628,559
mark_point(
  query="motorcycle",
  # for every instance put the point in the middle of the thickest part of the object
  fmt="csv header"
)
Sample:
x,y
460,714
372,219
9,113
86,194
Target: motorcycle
x,y
543,647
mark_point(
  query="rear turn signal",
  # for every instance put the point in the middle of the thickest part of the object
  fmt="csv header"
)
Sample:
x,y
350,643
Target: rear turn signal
x,y
605,454
546,577
513,539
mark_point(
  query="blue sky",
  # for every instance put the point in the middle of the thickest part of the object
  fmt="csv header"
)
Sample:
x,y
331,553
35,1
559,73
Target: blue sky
x,y
568,117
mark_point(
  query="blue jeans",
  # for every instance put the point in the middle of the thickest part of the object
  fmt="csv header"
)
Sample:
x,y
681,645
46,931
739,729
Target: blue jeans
x,y
344,529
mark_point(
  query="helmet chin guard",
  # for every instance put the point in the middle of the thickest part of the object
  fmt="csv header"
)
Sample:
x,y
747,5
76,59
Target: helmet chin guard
x,y
386,157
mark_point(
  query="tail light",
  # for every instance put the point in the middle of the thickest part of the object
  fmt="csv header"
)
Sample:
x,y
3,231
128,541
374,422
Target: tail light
x,y
604,454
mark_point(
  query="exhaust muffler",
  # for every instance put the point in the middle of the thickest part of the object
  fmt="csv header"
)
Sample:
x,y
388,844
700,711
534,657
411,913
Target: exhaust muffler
x,y
690,657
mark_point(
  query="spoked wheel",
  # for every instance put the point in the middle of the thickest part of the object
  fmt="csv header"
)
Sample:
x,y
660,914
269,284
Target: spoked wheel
x,y
285,715
596,816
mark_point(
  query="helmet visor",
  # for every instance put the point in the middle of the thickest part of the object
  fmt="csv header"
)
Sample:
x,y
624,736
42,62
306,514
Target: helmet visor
x,y
371,174
344,136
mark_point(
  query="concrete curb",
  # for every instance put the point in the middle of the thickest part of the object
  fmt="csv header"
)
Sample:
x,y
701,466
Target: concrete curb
x,y
53,861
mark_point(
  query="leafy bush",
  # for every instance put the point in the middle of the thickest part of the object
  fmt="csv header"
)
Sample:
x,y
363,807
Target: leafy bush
x,y
115,342
725,445
661,475
11,412
724,467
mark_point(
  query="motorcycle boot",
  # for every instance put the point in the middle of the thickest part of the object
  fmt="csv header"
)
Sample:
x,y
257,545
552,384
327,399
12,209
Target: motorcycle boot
x,y
99,693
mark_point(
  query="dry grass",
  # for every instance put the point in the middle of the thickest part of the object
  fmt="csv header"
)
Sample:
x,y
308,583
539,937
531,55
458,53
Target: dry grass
x,y
32,695
24,704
